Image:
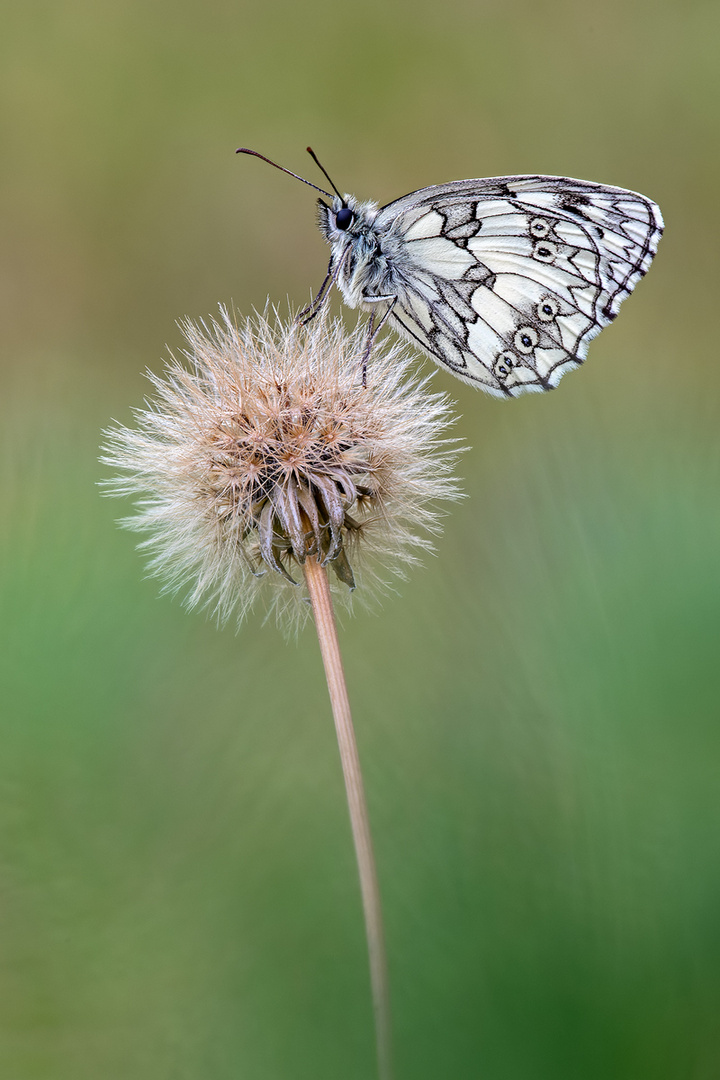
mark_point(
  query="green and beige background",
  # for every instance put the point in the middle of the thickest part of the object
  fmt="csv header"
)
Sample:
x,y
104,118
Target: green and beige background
x,y
537,709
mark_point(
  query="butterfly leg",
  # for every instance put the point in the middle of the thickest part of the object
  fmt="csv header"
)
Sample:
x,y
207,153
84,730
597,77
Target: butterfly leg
x,y
373,330
314,306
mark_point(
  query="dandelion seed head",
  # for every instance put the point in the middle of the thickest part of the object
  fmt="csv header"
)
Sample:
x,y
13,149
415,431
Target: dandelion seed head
x,y
261,447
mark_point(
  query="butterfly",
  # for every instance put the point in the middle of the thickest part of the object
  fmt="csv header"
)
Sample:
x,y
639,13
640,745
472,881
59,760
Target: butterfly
x,y
504,281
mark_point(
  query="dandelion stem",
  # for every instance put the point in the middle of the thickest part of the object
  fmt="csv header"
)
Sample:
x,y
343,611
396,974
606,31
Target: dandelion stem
x,y
317,583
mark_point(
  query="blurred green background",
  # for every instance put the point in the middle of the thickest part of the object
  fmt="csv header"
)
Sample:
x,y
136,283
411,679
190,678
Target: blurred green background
x,y
537,709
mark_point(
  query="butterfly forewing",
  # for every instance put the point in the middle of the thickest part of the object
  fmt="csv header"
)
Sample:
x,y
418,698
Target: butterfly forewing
x,y
506,280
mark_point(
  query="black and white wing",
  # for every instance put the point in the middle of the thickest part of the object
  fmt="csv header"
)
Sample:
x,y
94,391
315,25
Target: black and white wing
x,y
506,280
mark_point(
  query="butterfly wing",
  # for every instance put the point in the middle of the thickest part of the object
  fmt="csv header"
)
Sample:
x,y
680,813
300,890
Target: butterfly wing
x,y
506,280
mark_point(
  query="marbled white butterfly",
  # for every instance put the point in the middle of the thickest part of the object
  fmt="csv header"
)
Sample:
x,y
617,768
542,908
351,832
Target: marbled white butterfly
x,y
504,281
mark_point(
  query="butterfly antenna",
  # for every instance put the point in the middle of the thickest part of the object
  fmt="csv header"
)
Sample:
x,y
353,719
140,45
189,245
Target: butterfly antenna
x,y
244,150
324,171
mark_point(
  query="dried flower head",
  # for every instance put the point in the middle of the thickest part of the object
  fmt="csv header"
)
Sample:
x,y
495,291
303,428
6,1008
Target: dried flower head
x,y
267,448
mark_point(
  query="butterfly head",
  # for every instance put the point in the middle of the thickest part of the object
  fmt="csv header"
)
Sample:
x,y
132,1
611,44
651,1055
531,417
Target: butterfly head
x,y
344,218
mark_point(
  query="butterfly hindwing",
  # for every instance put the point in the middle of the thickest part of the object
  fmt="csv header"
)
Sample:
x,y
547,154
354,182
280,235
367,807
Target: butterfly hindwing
x,y
505,281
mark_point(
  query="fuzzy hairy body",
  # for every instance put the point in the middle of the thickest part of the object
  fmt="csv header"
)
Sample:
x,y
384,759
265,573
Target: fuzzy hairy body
x,y
367,259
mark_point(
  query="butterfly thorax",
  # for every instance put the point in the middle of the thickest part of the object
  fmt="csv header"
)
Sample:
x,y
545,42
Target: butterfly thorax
x,y
363,257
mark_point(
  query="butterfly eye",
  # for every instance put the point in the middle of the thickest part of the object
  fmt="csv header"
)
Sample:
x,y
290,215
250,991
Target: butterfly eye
x,y
547,309
539,228
526,338
344,218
